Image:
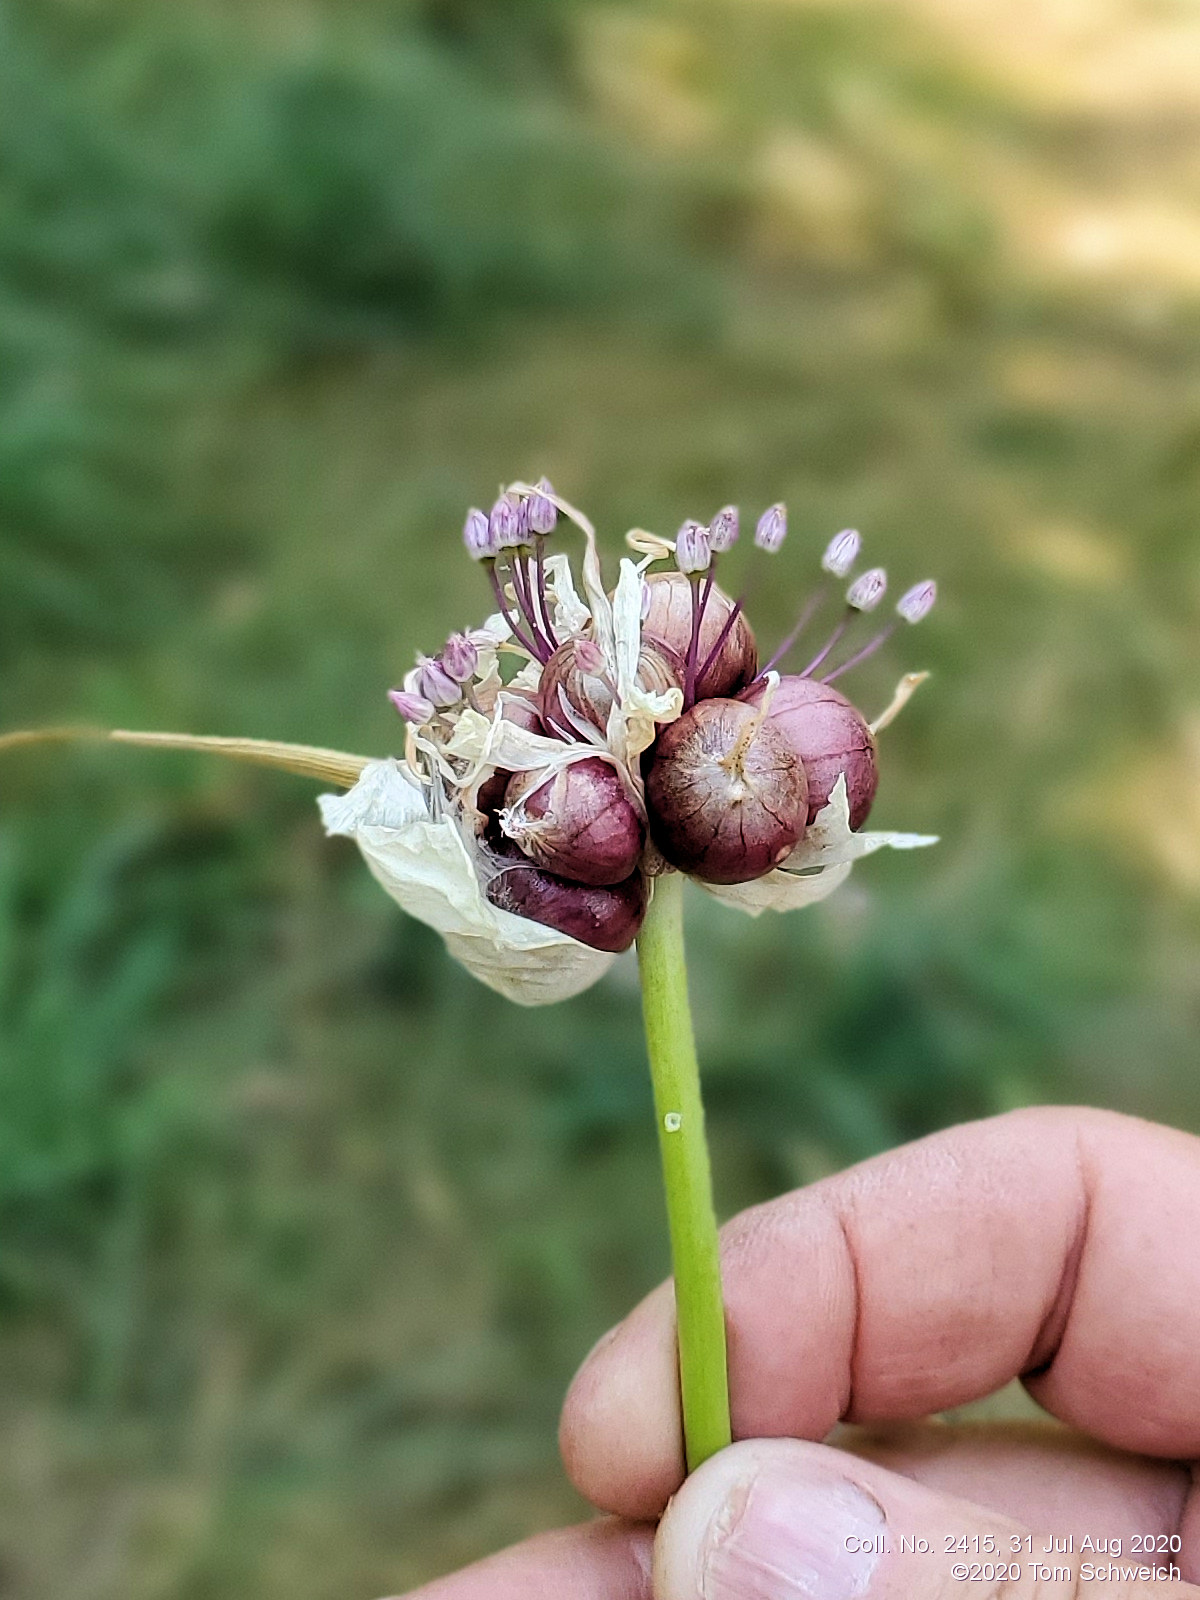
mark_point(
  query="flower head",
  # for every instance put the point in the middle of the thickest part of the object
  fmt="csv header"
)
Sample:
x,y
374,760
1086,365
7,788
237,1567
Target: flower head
x,y
583,740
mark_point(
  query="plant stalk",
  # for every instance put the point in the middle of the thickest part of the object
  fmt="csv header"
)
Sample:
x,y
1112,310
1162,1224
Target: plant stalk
x,y
700,1313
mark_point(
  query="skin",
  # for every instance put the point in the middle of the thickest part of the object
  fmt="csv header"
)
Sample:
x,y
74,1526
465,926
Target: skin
x,y
1054,1245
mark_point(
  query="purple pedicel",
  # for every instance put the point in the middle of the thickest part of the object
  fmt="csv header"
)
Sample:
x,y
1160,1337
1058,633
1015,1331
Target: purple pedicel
x,y
667,621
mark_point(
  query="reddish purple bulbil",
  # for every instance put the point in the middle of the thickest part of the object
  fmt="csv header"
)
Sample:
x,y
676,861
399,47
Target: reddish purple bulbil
x,y
727,798
606,918
830,736
579,822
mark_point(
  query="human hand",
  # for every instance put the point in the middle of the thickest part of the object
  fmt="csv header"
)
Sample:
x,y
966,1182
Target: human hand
x,y
1055,1245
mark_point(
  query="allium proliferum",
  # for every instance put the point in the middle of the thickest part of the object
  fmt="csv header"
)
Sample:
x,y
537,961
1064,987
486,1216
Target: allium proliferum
x,y
567,763
584,740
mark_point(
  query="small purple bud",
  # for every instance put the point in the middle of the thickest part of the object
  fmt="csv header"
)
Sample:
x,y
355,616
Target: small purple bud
x,y
504,524
772,527
435,683
841,552
723,530
459,657
693,553
412,707
865,593
543,513
918,601
477,536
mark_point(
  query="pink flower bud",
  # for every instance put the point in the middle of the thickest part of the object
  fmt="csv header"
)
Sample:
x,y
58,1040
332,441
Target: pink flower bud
x,y
604,918
692,550
477,536
435,683
865,593
723,530
772,528
413,708
830,736
727,798
667,624
504,524
543,513
459,657
579,823
917,602
841,552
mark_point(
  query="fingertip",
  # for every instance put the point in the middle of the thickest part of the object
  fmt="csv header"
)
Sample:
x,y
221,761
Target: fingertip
x,y
620,1433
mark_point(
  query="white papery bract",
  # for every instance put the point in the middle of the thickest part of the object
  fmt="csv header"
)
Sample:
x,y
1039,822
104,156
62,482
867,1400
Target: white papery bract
x,y
820,863
430,870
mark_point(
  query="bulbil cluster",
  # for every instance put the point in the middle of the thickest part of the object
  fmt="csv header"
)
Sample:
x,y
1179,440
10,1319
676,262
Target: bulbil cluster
x,y
740,756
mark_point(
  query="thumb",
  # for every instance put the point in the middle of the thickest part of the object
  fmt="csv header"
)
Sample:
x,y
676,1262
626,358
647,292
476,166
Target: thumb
x,y
774,1519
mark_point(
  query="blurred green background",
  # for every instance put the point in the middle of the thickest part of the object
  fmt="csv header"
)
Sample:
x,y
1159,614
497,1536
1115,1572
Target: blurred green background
x,y
302,1233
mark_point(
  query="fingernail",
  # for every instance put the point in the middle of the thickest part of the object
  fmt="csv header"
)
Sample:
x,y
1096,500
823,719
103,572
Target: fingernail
x,y
793,1536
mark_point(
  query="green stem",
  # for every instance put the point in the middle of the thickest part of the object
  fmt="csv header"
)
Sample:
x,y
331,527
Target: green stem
x,y
703,1380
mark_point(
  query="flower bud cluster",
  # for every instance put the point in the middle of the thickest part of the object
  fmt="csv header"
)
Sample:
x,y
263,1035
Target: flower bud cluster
x,y
733,759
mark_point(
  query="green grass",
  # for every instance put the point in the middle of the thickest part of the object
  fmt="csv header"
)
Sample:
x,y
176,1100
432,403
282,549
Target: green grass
x,y
302,1232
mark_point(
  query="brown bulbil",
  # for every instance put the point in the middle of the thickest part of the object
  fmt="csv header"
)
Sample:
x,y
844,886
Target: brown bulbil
x,y
668,621
519,708
830,736
591,697
727,798
579,822
606,918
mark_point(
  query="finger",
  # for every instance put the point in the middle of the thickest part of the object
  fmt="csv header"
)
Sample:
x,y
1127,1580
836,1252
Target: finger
x,y
606,1560
775,1519
1048,1477
1051,1243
